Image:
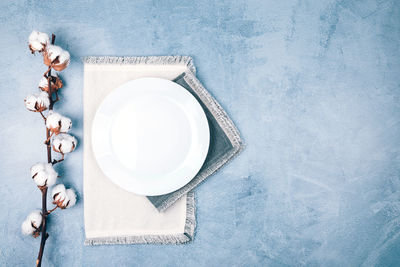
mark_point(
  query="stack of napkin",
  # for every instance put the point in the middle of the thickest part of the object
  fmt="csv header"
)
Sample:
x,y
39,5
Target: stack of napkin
x,y
115,216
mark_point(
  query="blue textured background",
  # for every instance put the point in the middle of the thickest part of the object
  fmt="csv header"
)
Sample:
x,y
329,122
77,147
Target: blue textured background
x,y
312,85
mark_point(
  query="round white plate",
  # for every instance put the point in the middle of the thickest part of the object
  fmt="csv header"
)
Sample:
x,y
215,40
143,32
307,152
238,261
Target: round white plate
x,y
150,136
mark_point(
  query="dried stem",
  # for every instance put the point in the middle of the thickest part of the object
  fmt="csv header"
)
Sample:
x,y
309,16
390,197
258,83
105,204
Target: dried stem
x,y
41,113
47,72
53,209
57,98
55,161
45,235
47,141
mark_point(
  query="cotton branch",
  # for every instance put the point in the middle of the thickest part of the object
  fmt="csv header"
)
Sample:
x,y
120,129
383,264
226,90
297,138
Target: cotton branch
x,y
45,235
57,126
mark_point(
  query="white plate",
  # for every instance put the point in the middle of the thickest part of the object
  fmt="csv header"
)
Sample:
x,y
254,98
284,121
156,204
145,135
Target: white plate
x,y
150,136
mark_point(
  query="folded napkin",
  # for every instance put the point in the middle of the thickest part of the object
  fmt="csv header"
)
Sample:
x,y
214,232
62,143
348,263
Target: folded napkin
x,y
225,141
113,215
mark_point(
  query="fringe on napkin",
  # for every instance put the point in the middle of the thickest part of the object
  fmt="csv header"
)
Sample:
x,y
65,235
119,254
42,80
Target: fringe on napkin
x,y
185,237
156,60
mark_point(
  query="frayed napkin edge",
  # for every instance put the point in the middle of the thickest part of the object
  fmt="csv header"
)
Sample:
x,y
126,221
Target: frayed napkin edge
x,y
185,237
156,60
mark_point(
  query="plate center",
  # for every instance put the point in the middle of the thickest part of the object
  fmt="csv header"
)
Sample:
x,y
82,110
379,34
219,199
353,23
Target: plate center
x,y
151,136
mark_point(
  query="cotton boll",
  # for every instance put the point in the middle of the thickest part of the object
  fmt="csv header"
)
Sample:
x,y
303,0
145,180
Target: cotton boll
x,y
55,83
38,41
58,123
64,60
72,198
52,53
30,102
53,121
63,198
64,143
32,223
56,57
58,192
43,174
37,102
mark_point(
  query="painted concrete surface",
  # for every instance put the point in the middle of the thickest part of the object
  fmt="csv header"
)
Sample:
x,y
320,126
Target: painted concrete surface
x,y
313,87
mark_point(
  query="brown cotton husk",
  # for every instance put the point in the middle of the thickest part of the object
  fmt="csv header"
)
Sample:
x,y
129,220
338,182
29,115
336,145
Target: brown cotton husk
x,y
56,84
55,131
57,149
60,203
40,108
55,64
42,187
36,233
46,58
60,66
33,50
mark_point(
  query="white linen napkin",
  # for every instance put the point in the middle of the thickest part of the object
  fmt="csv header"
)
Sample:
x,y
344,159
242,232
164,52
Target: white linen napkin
x,y
113,215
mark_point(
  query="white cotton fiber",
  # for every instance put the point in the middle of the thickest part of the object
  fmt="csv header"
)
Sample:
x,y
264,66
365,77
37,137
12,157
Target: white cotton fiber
x,y
64,143
44,174
64,57
37,102
71,197
35,219
27,228
52,121
43,83
53,51
38,41
30,102
43,99
57,189
63,198
66,124
58,123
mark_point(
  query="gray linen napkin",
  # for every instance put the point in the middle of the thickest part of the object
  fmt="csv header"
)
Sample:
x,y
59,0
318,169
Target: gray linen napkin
x,y
225,141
